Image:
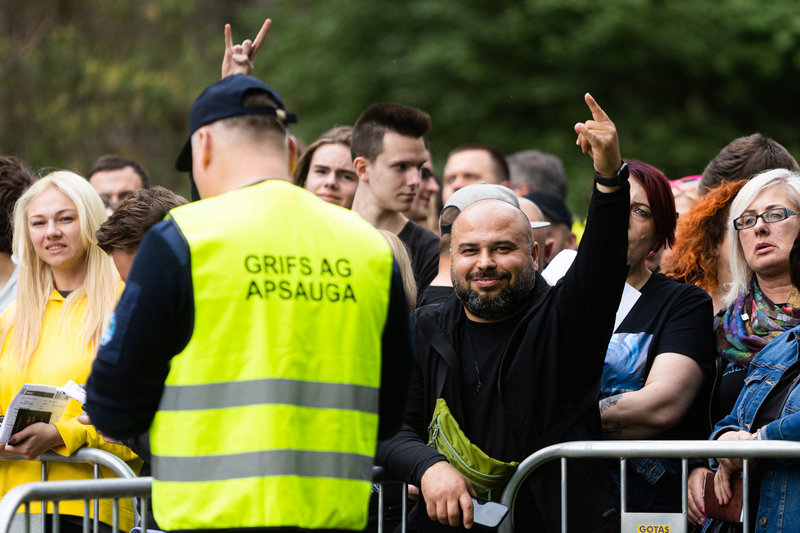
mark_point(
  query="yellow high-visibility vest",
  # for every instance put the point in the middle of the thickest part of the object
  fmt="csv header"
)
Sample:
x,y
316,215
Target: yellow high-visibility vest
x,y
269,416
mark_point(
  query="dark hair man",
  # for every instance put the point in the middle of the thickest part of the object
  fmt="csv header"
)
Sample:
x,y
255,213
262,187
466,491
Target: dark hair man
x,y
540,225
473,163
509,360
533,170
116,178
743,158
253,322
14,179
389,154
421,209
121,235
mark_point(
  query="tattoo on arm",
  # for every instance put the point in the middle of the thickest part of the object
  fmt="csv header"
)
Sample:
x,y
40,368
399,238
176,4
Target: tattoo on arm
x,y
610,429
605,403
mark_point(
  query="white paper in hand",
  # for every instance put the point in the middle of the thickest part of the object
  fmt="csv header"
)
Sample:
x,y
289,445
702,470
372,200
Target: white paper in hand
x,y
75,391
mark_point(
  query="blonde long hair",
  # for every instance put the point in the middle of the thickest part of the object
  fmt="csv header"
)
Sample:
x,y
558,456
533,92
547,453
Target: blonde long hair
x,y
403,259
36,283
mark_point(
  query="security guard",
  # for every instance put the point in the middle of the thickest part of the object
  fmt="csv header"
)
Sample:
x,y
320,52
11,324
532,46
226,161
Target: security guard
x,y
263,332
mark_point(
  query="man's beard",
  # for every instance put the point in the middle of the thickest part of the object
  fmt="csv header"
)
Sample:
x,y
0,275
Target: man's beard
x,y
506,303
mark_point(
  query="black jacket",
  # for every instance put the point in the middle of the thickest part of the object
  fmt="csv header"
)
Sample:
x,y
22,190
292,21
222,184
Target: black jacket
x,y
551,365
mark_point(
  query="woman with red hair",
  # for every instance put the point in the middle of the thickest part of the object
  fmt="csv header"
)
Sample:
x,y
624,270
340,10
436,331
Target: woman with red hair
x,y
661,351
700,255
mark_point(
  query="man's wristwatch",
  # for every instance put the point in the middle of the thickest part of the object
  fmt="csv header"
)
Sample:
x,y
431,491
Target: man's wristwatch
x,y
619,178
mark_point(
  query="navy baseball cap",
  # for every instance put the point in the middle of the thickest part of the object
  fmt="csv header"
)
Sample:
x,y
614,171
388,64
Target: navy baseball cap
x,y
552,206
223,99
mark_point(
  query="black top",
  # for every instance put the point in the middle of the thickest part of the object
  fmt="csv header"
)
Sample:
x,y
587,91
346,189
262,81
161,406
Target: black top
x,y
154,321
434,294
481,344
729,385
669,316
423,247
772,407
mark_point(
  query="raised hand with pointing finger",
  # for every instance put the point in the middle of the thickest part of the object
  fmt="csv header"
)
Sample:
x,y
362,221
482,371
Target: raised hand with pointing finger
x,y
239,59
598,138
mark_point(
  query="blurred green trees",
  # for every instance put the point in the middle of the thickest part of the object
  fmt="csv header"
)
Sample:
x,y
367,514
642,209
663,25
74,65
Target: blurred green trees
x,y
680,78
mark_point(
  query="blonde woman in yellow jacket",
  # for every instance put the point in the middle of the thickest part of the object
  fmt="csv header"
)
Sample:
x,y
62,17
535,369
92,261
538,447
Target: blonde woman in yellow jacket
x,y
67,290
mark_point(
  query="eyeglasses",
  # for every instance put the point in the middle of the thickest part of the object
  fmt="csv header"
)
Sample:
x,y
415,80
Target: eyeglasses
x,y
769,216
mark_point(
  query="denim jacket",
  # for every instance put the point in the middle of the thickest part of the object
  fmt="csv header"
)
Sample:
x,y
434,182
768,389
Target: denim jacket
x,y
779,503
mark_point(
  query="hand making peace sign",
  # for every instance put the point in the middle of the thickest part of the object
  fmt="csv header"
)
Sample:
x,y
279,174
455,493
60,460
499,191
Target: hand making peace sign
x,y
240,59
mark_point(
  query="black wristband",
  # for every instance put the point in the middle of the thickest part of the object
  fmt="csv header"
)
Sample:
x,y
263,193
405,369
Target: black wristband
x,y
619,178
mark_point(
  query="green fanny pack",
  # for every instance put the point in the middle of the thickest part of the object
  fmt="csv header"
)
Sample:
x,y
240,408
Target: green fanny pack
x,y
487,475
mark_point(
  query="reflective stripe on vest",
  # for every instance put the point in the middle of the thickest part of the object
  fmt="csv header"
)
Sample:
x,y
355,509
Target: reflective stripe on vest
x,y
276,391
272,405
267,463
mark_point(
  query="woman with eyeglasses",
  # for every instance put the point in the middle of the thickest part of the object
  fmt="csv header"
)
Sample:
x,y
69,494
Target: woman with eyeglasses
x,y
762,302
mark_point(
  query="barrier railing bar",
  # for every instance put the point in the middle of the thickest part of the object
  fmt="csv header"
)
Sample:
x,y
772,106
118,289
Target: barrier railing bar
x,y
622,450
144,503
404,507
83,455
115,515
56,521
96,522
745,495
380,508
623,488
85,521
43,508
84,489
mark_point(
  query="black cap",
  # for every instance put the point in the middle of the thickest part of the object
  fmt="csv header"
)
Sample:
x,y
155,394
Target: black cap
x,y
223,99
552,206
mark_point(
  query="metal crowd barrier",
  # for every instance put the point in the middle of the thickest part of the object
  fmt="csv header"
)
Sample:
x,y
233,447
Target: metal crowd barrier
x,y
623,450
380,477
54,491
128,487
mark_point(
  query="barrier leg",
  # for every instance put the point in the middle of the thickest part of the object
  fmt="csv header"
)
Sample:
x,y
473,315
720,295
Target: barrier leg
x,y
404,508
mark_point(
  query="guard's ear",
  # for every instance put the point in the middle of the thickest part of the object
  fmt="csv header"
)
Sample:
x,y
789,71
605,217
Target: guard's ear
x,y
362,165
204,149
291,145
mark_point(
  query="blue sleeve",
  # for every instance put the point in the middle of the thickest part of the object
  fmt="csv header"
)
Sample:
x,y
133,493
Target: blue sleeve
x,y
397,360
786,428
152,322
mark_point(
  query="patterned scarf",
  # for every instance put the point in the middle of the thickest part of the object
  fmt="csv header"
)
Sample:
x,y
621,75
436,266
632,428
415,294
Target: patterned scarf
x,y
752,321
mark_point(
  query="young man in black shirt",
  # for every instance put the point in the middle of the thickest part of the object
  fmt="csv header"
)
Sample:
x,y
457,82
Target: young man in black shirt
x,y
388,155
